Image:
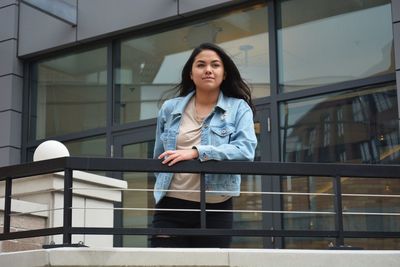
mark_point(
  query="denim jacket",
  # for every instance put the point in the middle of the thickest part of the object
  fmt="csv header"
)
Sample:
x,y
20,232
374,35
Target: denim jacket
x,y
227,134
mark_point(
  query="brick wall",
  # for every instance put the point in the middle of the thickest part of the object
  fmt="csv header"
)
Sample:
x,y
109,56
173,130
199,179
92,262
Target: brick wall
x,y
20,223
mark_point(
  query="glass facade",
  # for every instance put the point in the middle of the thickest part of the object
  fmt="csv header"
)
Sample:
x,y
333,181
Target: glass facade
x,y
151,66
356,126
312,200
134,201
88,147
95,97
69,94
333,41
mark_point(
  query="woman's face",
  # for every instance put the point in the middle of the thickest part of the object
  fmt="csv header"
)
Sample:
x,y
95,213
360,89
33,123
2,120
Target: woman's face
x,y
207,71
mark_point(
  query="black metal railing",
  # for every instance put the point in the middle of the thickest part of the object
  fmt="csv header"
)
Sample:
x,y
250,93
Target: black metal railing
x,y
69,164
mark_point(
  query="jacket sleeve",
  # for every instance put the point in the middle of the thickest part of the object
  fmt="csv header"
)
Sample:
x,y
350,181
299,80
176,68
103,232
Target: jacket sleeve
x,y
242,143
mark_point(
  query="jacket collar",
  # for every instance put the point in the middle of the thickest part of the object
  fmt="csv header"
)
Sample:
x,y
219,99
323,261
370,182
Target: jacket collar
x,y
222,103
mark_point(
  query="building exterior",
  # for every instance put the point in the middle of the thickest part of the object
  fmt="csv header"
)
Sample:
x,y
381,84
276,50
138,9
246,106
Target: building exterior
x,y
91,74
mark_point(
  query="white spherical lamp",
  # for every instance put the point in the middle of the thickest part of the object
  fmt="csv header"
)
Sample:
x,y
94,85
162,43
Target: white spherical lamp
x,y
49,150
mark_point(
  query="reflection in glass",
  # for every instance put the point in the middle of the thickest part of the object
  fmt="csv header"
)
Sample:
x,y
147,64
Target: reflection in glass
x,y
318,200
378,196
142,199
363,128
374,243
69,94
88,147
338,41
307,243
249,200
151,66
358,126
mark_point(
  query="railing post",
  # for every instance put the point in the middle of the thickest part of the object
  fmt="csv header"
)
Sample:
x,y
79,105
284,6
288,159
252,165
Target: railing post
x,y
7,206
337,186
67,220
203,223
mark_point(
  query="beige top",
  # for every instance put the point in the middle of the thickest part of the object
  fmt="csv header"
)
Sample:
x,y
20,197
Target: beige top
x,y
189,136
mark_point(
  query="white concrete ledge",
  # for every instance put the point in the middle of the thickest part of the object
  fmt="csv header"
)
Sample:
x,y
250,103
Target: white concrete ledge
x,y
19,206
200,257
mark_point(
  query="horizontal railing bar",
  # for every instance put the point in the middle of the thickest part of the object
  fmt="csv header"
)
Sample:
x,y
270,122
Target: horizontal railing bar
x,y
372,213
232,232
236,167
371,234
31,233
369,195
228,167
199,231
33,168
213,210
198,191
208,191
33,212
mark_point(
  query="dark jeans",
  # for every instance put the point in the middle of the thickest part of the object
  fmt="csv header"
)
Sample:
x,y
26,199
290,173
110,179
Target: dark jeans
x,y
191,219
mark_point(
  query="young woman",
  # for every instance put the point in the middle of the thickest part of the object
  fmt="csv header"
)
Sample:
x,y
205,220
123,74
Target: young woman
x,y
212,119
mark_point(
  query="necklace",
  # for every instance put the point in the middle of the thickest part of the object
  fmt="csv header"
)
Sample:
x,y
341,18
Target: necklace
x,y
198,118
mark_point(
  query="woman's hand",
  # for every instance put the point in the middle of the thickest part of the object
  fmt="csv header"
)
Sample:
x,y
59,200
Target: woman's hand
x,y
173,156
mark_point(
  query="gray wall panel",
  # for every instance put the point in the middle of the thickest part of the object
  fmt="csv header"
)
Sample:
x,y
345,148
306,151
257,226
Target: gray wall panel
x,y
8,22
11,121
7,2
9,62
396,32
193,5
38,31
11,93
101,17
9,156
396,10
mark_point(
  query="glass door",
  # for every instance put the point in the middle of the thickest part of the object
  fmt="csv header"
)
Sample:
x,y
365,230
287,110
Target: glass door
x,y
249,206
139,196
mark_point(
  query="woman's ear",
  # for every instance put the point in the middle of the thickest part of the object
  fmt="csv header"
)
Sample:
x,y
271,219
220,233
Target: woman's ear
x,y
191,76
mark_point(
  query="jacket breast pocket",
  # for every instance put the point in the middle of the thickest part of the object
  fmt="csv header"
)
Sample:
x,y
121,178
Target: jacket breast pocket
x,y
168,138
221,134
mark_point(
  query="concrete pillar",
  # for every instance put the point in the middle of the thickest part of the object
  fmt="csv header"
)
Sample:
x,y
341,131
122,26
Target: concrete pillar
x,y
11,82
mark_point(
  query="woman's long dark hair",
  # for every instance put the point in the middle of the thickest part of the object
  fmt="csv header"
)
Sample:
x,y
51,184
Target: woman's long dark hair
x,y
233,84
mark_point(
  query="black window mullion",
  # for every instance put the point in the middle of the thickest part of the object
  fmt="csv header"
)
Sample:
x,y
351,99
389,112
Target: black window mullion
x,y
342,86
26,111
274,182
110,99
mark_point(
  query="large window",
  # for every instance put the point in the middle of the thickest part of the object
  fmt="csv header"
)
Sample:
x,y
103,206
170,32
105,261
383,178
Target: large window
x,y
69,94
151,66
358,126
323,42
88,147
